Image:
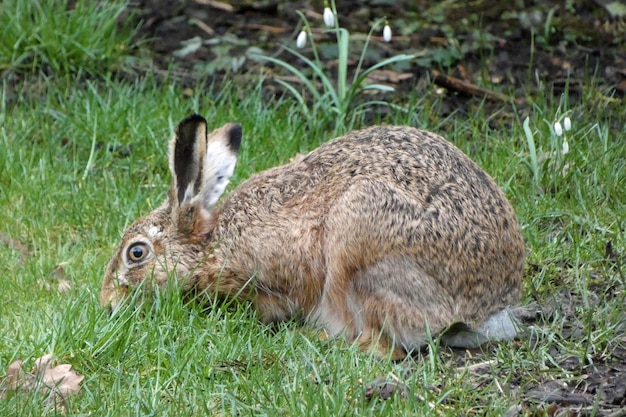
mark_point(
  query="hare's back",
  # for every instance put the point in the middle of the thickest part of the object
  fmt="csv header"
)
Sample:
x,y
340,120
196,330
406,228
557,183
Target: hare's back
x,y
418,164
415,187
415,161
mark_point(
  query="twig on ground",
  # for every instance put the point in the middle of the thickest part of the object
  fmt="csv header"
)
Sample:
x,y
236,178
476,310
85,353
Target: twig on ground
x,y
466,87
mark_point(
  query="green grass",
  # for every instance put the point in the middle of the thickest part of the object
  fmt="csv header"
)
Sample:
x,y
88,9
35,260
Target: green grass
x,y
50,36
79,162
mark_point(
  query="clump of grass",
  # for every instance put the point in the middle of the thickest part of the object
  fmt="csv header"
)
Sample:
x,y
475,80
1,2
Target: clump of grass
x,y
51,36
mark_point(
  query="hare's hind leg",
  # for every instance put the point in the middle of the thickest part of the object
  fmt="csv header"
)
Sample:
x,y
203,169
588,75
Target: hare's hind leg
x,y
401,302
374,288
390,307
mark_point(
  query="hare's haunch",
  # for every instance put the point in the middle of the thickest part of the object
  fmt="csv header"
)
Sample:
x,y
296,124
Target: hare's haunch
x,y
384,236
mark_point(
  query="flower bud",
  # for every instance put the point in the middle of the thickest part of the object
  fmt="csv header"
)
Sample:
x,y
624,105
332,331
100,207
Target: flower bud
x,y
558,130
567,124
387,33
301,39
329,17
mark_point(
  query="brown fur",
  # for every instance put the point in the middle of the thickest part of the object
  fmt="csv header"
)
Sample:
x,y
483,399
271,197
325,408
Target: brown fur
x,y
387,233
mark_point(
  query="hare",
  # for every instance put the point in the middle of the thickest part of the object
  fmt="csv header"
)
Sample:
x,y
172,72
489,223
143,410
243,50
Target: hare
x,y
386,236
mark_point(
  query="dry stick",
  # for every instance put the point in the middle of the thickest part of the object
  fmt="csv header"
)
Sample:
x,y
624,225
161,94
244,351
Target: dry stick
x,y
205,28
219,5
477,366
467,87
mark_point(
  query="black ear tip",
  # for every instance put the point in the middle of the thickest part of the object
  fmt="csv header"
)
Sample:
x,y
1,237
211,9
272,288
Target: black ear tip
x,y
190,125
194,119
235,133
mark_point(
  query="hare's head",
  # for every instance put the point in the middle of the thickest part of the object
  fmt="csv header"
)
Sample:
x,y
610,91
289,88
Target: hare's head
x,y
174,237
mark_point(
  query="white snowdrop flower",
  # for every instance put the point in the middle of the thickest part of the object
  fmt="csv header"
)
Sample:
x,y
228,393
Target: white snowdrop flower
x,y
387,33
558,130
329,17
567,124
301,39
565,146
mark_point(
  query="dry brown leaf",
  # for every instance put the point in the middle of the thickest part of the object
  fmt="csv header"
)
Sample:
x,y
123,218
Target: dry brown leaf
x,y
61,378
15,245
59,382
384,389
59,280
13,376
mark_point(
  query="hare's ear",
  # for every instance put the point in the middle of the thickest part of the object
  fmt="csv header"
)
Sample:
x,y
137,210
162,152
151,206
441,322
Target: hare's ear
x,y
221,157
187,155
202,164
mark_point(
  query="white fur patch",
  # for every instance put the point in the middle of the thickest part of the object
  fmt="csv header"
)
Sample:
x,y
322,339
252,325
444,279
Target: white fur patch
x,y
121,278
154,232
219,168
499,326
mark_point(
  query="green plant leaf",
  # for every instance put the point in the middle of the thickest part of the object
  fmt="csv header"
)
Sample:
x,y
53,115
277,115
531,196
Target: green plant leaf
x,y
379,87
298,96
532,150
326,82
305,80
343,47
398,58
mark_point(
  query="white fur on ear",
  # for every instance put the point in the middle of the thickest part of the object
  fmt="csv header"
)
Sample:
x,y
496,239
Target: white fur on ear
x,y
219,163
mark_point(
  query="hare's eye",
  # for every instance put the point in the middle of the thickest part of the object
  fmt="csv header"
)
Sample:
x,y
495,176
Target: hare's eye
x,y
137,252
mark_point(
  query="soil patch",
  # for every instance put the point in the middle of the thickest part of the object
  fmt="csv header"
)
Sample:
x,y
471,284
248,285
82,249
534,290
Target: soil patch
x,y
494,50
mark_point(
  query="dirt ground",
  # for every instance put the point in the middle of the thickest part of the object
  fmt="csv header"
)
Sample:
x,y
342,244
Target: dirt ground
x,y
575,43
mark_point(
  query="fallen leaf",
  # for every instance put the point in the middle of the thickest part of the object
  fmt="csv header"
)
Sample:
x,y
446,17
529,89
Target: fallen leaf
x,y
59,280
384,389
13,375
16,245
58,382
60,378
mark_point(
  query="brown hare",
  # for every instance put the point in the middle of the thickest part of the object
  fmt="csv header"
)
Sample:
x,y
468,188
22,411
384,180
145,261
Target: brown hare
x,y
386,236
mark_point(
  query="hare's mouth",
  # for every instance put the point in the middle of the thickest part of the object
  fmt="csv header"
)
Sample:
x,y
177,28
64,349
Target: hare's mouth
x,y
113,299
123,289
122,294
